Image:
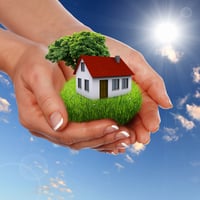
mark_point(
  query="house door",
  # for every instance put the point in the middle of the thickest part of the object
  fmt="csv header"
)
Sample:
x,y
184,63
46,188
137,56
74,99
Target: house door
x,y
103,89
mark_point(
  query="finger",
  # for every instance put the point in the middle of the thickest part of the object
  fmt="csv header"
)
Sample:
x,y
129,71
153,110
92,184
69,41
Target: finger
x,y
123,143
37,134
48,98
32,118
114,152
149,114
108,139
50,139
118,135
142,134
119,145
67,71
145,76
89,131
73,133
44,136
150,81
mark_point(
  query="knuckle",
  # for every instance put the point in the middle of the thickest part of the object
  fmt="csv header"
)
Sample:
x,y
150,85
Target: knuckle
x,y
35,76
36,134
69,141
24,121
143,138
45,101
132,137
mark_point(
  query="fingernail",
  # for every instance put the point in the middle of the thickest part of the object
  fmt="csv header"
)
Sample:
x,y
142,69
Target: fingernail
x,y
170,103
111,129
56,120
122,134
122,145
169,100
165,98
148,142
155,129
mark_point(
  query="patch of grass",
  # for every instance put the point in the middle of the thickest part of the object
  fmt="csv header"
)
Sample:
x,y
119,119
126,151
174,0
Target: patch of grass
x,y
81,109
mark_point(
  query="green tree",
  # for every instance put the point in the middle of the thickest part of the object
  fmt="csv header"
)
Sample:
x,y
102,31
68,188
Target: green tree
x,y
70,48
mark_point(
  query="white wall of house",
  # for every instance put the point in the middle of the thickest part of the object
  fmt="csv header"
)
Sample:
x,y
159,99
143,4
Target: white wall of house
x,y
94,84
120,91
85,75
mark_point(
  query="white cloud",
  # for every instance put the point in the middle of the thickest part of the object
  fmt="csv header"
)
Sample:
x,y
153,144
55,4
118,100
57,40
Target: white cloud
x,y
74,152
170,138
169,52
182,101
4,105
119,166
4,120
197,94
67,190
137,148
170,131
194,111
31,139
129,159
56,188
187,124
196,74
58,162
4,81
56,145
170,134
106,172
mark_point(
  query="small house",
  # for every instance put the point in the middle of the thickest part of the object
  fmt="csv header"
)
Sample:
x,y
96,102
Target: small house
x,y
102,77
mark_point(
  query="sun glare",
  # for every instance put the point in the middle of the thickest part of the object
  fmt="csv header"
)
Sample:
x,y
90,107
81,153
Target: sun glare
x,y
166,33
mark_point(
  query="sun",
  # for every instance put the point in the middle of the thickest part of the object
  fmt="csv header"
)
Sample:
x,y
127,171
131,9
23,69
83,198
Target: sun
x,y
166,32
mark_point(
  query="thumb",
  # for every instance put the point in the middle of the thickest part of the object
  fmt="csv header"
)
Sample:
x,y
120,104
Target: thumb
x,y
50,103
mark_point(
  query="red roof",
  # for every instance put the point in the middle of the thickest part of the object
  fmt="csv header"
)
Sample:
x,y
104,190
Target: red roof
x,y
100,66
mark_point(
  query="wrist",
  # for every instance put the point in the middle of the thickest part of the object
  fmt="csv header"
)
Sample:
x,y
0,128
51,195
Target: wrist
x,y
11,49
52,34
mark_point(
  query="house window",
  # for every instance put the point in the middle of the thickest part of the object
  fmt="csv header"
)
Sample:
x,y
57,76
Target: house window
x,y
87,85
82,66
124,83
79,83
115,84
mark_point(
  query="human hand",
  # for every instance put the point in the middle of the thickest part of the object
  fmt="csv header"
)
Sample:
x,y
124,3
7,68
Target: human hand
x,y
37,85
153,89
35,110
153,94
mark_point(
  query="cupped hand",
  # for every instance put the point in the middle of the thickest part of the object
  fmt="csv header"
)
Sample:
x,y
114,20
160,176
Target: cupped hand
x,y
154,94
153,90
37,85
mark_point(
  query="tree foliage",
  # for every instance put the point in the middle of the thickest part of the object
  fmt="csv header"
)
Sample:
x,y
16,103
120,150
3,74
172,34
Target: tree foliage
x,y
70,48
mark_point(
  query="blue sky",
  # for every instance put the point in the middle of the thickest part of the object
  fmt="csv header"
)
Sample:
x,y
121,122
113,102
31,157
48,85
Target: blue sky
x,y
168,168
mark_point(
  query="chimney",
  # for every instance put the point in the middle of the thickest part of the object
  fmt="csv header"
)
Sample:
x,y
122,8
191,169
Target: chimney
x,y
117,59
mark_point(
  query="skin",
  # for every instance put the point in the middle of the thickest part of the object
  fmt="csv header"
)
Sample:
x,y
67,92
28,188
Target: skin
x,y
37,82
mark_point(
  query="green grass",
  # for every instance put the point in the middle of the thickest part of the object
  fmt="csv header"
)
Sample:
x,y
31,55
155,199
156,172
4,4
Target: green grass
x,y
81,109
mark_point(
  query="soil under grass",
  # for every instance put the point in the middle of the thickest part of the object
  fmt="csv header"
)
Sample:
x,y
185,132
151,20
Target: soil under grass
x,y
81,109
